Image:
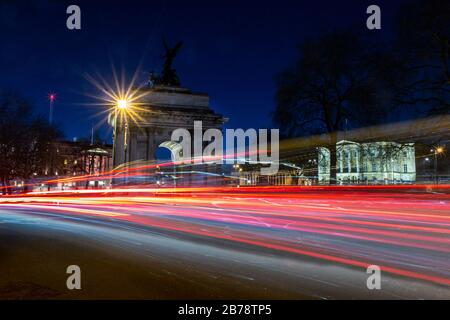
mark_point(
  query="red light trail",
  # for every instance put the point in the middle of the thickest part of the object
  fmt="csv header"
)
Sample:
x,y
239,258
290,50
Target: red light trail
x,y
402,229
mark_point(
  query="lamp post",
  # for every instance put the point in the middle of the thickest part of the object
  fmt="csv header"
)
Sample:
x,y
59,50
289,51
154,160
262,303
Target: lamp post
x,y
114,137
121,105
437,151
51,98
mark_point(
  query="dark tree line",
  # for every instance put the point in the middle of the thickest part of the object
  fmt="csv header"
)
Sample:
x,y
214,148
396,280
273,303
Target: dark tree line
x,y
422,46
343,80
26,140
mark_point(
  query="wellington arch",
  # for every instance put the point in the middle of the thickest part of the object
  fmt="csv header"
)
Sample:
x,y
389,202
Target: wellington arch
x,y
162,110
175,149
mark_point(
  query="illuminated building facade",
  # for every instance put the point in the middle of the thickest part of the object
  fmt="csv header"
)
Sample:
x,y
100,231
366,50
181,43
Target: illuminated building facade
x,y
369,163
76,158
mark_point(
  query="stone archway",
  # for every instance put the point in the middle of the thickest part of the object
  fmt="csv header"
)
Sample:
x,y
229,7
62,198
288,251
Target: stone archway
x,y
162,110
175,152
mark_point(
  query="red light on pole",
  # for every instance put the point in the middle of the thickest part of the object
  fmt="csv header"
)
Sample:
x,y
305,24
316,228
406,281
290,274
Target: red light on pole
x,y
51,98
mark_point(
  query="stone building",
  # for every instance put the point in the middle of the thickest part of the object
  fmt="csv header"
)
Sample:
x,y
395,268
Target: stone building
x,y
369,163
80,158
281,178
74,164
162,109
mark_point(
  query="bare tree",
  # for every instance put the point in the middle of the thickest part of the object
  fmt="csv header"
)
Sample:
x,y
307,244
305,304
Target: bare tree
x,y
25,140
35,153
335,80
422,45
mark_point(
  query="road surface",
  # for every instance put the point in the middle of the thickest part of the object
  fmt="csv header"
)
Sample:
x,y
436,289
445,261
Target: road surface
x,y
219,243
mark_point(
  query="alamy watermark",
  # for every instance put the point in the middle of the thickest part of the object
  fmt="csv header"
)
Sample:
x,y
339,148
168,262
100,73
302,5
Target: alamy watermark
x,y
74,280
373,22
374,280
250,146
73,22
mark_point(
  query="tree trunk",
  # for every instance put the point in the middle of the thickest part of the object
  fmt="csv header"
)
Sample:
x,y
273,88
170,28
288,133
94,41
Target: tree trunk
x,y
333,158
3,187
8,186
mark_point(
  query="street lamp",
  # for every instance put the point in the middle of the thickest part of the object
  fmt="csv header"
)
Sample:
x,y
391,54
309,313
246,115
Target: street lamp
x,y
121,105
51,99
437,150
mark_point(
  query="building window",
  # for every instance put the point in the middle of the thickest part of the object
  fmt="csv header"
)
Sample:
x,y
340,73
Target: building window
x,y
405,168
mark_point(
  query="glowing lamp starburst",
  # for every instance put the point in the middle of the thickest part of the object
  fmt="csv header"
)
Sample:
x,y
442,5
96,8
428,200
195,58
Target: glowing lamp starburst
x,y
119,100
122,104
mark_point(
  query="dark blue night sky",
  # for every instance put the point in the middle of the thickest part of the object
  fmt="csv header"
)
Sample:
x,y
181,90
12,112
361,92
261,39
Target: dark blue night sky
x,y
232,49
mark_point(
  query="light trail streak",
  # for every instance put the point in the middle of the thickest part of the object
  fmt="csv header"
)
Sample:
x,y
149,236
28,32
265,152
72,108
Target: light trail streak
x,y
403,230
